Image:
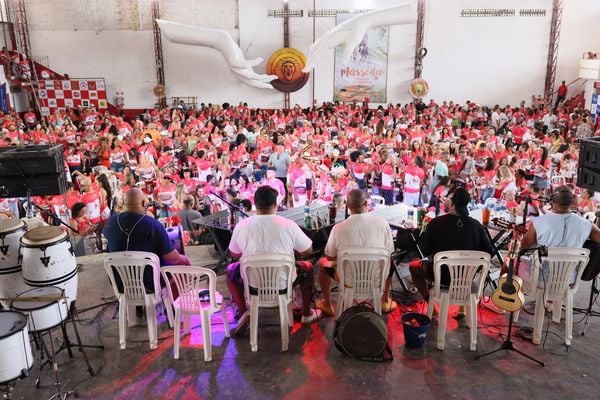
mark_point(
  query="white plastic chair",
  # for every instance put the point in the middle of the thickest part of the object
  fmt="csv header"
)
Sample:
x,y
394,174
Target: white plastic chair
x,y
464,289
590,216
266,274
559,287
362,272
557,180
129,266
190,281
378,201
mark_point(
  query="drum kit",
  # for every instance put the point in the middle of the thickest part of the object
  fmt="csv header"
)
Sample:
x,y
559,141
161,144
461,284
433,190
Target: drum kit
x,y
38,283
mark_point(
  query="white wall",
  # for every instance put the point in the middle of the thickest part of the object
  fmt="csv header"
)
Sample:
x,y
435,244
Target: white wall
x,y
488,60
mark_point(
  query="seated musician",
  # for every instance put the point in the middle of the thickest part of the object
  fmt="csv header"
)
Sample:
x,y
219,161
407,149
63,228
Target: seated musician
x,y
359,230
134,230
561,227
267,232
452,231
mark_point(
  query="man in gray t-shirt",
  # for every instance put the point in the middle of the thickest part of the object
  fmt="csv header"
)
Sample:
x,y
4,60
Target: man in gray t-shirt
x,y
281,160
187,215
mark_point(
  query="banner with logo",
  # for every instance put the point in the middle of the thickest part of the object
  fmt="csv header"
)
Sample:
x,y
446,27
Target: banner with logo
x,y
364,75
74,93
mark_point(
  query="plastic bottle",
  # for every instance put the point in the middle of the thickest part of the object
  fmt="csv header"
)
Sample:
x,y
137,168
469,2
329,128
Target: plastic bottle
x,y
307,218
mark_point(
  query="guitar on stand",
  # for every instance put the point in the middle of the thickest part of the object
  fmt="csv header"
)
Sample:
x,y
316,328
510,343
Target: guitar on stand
x,y
508,296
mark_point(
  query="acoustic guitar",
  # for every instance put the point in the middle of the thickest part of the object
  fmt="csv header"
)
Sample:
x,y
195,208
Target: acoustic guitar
x,y
509,296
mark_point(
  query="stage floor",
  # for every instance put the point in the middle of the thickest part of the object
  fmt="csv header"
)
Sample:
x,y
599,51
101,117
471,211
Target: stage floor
x,y
312,367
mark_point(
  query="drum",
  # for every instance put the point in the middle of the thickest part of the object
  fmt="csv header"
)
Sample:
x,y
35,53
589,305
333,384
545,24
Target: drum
x,y
48,259
42,315
15,350
175,234
11,276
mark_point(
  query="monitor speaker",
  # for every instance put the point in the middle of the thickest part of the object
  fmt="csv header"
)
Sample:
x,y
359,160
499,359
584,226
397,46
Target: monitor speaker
x,y
39,170
588,171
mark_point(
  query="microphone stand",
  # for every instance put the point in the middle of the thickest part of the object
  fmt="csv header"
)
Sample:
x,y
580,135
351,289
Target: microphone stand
x,y
231,205
513,264
54,217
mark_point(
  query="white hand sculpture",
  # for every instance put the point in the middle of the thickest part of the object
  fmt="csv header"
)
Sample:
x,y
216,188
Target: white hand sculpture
x,y
349,33
224,44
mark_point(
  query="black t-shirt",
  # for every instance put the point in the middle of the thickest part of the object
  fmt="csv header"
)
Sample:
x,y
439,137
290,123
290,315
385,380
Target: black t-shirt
x,y
451,232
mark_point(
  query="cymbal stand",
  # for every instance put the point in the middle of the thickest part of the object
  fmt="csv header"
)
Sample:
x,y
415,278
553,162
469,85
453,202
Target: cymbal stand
x,y
508,344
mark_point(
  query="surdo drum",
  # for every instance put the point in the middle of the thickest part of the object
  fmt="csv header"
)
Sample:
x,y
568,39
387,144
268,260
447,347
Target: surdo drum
x,y
48,259
42,315
11,276
15,350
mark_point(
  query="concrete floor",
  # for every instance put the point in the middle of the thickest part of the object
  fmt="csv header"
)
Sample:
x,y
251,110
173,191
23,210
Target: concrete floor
x,y
313,367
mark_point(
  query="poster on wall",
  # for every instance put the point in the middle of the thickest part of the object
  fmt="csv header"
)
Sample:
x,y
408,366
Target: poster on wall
x,y
58,94
364,75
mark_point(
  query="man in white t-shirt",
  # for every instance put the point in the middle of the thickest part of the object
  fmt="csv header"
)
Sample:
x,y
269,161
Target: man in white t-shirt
x,y
359,230
267,232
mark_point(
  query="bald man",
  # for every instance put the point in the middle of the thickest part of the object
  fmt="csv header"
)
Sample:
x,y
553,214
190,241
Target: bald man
x,y
560,228
134,230
359,230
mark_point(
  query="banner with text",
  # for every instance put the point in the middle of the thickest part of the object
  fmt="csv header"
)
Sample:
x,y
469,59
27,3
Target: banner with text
x,y
365,73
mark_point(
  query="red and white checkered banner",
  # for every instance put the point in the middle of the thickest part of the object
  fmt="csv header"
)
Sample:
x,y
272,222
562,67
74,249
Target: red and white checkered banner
x,y
58,94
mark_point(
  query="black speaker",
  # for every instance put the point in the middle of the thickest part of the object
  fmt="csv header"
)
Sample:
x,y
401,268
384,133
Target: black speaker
x,y
588,171
37,169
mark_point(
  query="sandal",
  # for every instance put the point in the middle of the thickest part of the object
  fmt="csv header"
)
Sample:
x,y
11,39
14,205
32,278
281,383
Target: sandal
x,y
327,311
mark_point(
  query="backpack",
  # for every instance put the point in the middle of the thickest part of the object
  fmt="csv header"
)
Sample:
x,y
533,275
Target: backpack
x,y
361,333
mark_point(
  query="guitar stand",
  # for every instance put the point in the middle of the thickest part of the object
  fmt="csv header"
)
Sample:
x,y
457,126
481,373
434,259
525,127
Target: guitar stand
x,y
588,311
508,345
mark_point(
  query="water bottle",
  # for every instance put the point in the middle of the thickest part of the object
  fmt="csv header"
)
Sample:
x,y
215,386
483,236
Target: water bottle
x,y
307,218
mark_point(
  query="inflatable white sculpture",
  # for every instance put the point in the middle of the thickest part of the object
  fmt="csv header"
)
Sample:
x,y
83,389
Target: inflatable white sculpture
x,y
350,33
224,44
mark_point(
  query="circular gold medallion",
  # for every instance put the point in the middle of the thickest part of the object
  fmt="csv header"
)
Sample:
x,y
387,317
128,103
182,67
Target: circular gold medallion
x,y
418,88
287,64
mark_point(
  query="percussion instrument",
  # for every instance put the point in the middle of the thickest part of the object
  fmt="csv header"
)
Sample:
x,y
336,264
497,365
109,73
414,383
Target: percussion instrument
x,y
11,276
15,349
48,259
42,315
175,234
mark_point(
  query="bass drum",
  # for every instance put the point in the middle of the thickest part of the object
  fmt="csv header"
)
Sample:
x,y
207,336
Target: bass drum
x,y
49,260
42,315
11,275
15,349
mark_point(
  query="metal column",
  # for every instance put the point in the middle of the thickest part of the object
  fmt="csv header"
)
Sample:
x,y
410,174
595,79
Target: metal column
x,y
553,50
158,54
286,43
420,38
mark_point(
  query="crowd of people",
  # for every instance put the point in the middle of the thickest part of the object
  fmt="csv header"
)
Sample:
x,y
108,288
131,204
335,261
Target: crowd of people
x,y
176,165
407,153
